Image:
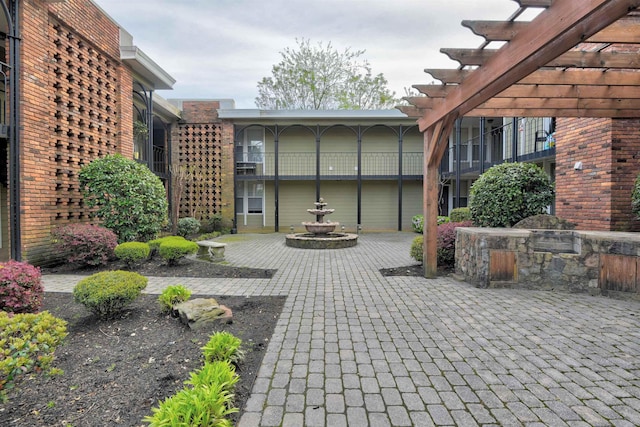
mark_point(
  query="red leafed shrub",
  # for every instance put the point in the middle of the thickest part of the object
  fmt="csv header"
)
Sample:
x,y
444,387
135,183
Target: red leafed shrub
x,y
20,287
85,244
447,242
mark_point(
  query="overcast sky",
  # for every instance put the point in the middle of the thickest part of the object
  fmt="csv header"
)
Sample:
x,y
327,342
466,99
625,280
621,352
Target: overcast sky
x,y
222,48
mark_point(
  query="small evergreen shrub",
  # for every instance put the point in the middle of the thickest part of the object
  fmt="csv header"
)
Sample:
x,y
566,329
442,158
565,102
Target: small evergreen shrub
x,y
188,226
202,406
635,197
460,215
417,223
173,248
218,372
416,251
173,295
107,293
27,344
132,253
508,193
21,289
223,346
446,253
85,244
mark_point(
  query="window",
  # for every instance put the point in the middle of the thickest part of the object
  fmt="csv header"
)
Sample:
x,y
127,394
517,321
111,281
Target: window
x,y
249,197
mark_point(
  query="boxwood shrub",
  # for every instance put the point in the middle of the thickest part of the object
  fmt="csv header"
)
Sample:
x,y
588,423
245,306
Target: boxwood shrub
x,y
132,252
107,293
173,248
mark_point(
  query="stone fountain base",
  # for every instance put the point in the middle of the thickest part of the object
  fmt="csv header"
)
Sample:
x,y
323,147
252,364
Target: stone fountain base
x,y
321,241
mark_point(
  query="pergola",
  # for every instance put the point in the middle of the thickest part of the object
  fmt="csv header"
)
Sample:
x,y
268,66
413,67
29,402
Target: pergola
x,y
574,59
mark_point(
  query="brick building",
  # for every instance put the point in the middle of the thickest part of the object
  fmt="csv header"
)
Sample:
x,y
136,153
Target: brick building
x,y
75,85
76,88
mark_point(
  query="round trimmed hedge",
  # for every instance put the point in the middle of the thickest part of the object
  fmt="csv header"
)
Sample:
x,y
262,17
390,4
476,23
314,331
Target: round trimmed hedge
x,y
508,193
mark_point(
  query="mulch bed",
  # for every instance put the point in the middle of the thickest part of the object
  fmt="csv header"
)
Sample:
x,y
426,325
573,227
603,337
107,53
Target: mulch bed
x,y
116,371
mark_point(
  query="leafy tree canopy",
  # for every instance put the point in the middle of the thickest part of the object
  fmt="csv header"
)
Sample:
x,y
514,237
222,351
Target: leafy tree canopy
x,y
319,77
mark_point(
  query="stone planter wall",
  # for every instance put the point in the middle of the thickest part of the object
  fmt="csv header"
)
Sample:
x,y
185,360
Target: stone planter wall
x,y
568,260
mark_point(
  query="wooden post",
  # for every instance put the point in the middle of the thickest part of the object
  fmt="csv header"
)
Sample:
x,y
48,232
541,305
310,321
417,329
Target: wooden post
x,y
436,140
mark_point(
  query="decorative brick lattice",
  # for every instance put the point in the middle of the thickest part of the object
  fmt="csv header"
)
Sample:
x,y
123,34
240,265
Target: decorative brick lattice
x,y
85,114
200,151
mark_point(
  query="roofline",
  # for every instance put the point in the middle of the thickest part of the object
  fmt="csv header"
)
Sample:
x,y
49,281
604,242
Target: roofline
x,y
392,114
142,64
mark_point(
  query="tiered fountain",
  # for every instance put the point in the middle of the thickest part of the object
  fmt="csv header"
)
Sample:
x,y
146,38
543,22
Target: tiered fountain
x,y
320,234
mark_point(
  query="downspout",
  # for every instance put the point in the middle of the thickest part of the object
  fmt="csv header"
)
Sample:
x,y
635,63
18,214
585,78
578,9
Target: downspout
x,y
317,163
400,174
14,131
276,178
458,125
359,201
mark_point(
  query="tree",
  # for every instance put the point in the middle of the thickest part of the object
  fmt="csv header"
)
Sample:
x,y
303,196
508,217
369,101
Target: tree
x,y
508,193
130,199
322,78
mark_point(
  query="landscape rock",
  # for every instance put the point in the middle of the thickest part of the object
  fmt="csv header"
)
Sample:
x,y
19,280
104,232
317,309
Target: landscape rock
x,y
198,313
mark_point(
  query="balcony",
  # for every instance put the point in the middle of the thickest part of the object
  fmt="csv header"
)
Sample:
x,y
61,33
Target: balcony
x,y
333,165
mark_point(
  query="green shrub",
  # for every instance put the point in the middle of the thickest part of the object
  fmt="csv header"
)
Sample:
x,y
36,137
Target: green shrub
x,y
507,193
27,344
460,215
107,293
218,372
132,252
635,197
21,289
417,223
416,251
223,346
202,406
173,295
85,244
188,226
130,199
173,248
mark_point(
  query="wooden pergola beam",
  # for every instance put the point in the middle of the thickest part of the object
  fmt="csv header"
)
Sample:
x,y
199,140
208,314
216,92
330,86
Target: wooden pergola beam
x,y
551,76
546,91
579,59
540,103
448,75
559,28
626,30
534,3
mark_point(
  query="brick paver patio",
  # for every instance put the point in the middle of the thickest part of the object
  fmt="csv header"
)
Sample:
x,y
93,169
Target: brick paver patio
x,y
354,348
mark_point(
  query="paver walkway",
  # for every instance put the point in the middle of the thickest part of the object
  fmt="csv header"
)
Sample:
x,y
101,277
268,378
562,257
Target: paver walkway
x,y
353,348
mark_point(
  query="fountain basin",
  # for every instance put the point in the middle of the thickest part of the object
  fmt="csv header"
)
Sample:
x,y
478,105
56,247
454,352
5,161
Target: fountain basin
x,y
320,227
322,241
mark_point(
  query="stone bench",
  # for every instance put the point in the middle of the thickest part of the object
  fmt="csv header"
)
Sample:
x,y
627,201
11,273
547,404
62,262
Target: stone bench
x,y
210,250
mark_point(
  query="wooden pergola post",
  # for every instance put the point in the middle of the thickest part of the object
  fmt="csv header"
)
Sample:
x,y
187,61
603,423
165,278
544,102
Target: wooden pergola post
x,y
436,140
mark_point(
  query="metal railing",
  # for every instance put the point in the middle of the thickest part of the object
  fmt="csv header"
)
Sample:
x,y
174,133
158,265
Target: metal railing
x,y
332,164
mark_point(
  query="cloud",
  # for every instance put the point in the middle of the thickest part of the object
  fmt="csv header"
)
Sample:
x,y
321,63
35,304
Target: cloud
x,y
222,48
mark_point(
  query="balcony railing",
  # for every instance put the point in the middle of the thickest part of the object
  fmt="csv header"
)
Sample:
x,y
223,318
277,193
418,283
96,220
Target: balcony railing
x,y
337,165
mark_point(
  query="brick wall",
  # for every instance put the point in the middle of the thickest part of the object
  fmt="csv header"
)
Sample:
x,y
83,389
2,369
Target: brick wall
x,y
625,166
204,144
76,105
598,196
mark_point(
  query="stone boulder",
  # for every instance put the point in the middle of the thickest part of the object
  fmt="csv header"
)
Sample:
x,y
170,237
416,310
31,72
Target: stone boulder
x,y
199,313
545,222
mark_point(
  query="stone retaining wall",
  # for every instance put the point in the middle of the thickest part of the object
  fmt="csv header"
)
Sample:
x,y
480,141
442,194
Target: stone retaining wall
x,y
570,260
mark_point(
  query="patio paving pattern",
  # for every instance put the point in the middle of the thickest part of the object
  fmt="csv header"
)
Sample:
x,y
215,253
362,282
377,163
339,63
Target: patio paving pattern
x,y
354,348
